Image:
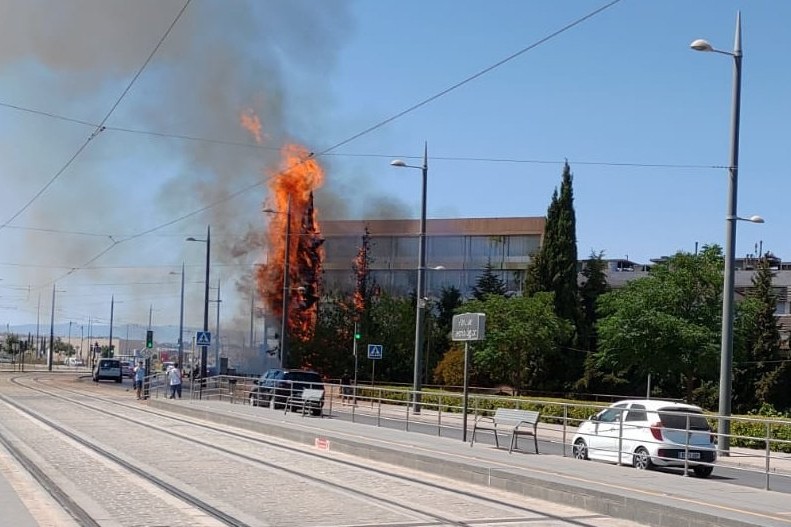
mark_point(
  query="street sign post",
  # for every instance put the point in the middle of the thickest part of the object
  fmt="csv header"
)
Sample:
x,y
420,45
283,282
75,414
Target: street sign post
x,y
467,327
374,353
203,338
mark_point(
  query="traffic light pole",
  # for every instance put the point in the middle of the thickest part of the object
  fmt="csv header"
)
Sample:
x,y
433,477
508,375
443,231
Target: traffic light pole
x,y
354,350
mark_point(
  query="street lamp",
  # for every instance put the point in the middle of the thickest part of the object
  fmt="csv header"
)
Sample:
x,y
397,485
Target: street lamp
x,y
286,287
726,348
421,270
204,349
181,320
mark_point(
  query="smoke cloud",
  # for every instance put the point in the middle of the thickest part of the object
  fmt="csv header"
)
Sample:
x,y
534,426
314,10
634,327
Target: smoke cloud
x,y
74,58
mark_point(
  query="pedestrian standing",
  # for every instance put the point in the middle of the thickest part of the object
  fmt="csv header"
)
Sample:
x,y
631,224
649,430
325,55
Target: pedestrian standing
x,y
140,375
346,387
174,379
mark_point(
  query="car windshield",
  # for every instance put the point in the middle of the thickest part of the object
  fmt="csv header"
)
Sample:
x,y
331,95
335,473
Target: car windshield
x,y
303,376
677,418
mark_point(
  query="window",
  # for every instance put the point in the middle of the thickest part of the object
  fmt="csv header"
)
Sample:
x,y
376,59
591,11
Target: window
x,y
677,418
611,415
637,413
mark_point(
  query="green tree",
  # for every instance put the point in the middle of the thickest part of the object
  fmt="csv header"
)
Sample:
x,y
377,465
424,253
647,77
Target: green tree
x,y
593,286
554,269
392,326
488,283
439,327
666,324
759,372
521,333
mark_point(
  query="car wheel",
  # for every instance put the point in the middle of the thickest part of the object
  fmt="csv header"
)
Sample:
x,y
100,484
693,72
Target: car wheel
x,y
579,450
253,400
119,379
316,412
703,471
641,459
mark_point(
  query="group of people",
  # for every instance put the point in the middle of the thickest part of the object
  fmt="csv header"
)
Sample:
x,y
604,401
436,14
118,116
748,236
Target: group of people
x,y
174,377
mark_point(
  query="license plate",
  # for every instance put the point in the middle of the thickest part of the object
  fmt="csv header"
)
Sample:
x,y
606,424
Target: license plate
x,y
692,455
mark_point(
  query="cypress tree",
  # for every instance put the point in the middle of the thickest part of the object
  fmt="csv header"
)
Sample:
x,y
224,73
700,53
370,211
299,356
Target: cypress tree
x,y
554,269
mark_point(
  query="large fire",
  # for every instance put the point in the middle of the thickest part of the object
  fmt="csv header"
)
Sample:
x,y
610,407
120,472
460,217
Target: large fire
x,y
291,198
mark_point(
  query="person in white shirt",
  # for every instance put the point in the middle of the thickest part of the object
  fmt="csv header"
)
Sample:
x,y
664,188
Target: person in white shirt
x,y
174,380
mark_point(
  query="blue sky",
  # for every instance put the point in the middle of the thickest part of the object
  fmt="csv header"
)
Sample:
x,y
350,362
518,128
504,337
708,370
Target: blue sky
x,y
643,121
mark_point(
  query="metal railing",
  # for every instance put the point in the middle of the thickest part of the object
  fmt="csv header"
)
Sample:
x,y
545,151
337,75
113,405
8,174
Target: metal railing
x,y
757,444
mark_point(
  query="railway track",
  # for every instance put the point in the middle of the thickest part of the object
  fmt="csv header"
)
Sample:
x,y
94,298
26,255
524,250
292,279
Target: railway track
x,y
273,480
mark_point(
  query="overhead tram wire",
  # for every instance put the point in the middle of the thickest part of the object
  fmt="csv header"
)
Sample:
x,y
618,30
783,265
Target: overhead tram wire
x,y
364,132
346,154
240,144
101,126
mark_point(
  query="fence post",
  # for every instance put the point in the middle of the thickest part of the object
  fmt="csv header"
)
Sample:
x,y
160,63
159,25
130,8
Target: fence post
x,y
768,453
565,421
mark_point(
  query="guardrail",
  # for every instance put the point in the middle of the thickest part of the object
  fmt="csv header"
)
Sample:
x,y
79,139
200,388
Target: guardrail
x,y
757,444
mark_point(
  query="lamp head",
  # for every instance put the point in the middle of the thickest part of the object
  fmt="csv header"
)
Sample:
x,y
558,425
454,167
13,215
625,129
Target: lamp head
x,y
269,210
397,163
756,219
701,45
191,239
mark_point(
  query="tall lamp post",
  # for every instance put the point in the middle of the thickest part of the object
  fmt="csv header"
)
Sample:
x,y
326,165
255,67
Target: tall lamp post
x,y
286,286
726,347
204,349
421,286
181,319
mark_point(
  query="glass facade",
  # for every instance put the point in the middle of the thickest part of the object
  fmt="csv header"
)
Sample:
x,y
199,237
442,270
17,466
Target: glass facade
x,y
453,259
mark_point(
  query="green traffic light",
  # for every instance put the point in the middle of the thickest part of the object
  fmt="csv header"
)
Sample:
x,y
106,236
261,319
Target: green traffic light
x,y
357,336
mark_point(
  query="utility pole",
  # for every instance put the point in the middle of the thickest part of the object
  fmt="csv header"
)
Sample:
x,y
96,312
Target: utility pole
x,y
217,330
51,331
38,336
112,308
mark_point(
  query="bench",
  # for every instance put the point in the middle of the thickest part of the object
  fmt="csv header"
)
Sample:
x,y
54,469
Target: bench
x,y
310,400
520,422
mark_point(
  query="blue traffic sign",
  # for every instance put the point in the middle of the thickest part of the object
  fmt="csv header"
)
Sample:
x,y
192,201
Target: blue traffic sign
x,y
203,338
374,351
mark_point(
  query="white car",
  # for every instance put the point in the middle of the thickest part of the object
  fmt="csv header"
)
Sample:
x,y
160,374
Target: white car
x,y
645,433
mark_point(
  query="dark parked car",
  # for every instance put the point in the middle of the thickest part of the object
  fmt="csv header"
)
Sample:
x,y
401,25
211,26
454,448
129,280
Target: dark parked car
x,y
275,386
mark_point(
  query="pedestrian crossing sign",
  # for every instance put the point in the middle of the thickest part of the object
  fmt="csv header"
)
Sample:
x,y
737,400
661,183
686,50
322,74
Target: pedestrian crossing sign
x,y
203,338
374,351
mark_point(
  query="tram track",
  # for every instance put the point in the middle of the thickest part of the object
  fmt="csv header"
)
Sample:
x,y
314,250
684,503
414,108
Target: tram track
x,y
420,515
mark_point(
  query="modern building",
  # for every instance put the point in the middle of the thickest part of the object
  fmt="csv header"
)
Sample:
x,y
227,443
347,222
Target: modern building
x,y
457,252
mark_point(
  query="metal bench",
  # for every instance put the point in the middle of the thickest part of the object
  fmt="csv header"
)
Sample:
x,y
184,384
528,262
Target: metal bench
x,y
309,400
520,422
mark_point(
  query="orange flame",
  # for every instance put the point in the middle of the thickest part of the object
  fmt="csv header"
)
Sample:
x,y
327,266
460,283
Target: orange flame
x,y
291,198
252,124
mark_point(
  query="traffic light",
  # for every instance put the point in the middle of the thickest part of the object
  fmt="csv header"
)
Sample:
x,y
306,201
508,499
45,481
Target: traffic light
x,y
357,335
149,339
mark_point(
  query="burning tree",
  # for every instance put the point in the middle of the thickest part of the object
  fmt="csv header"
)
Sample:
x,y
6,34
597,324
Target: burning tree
x,y
291,196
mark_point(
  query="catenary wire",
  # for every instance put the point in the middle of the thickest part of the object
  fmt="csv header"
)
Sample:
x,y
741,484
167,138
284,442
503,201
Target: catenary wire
x,y
369,155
